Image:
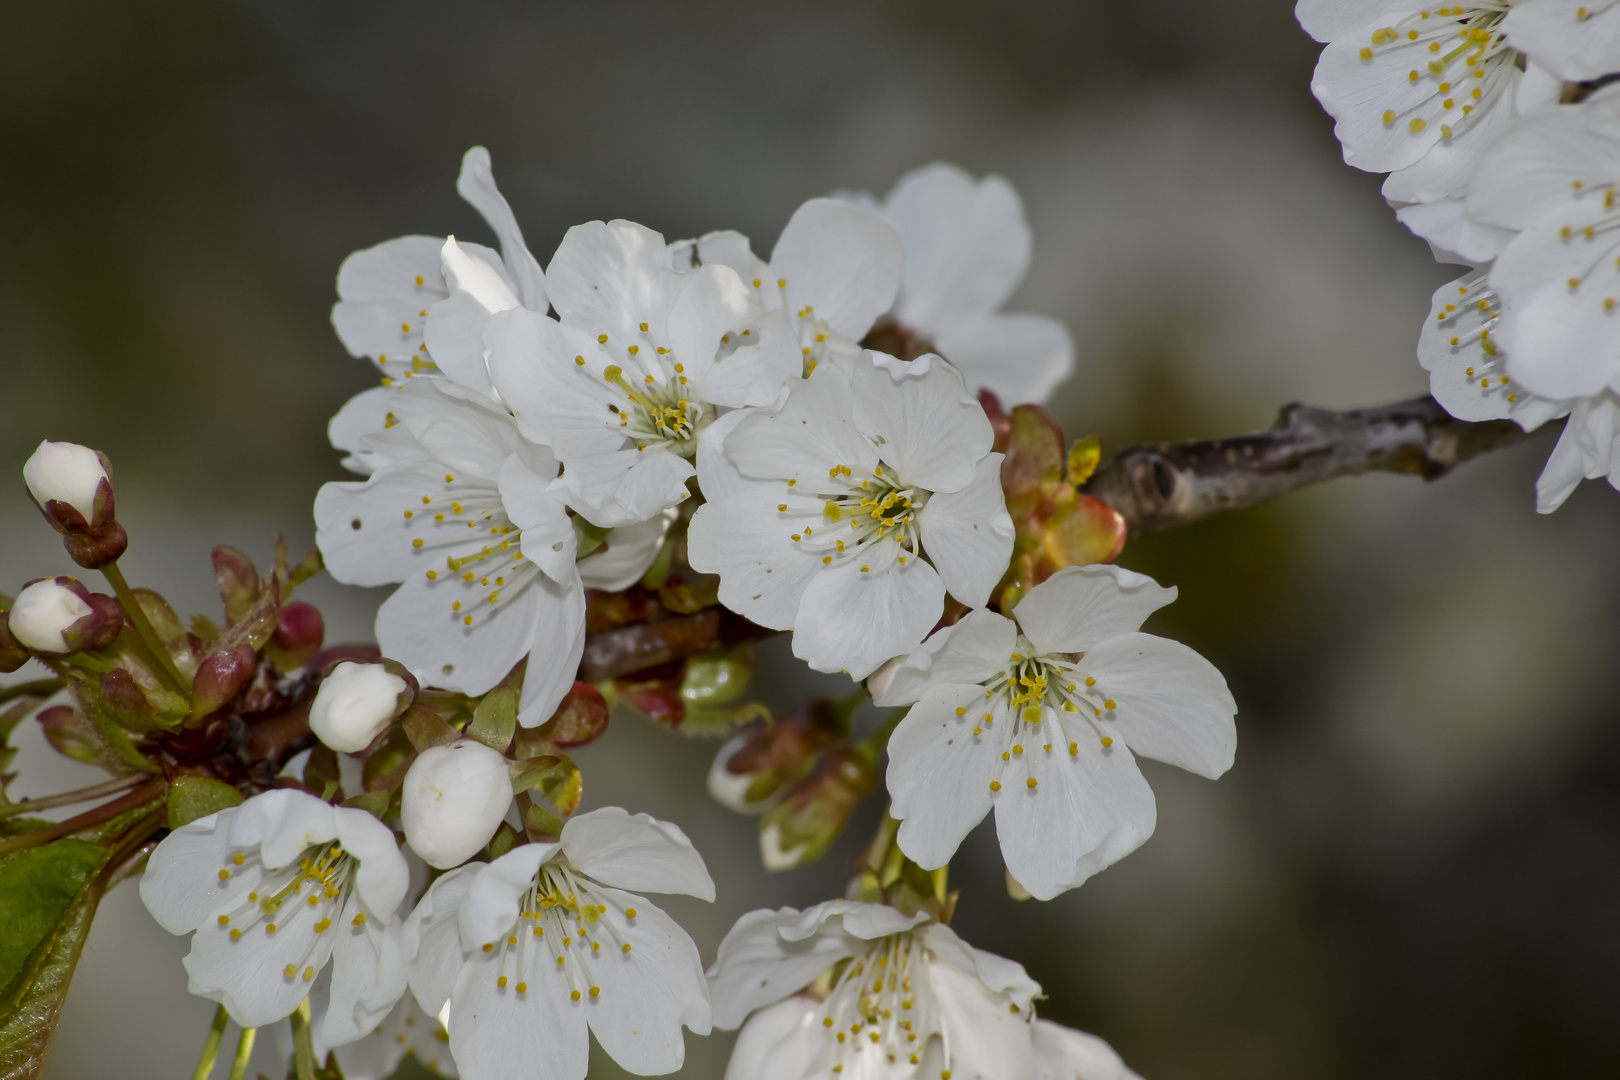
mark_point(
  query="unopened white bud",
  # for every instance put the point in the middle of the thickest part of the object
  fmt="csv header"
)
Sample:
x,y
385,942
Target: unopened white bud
x,y
354,704
42,614
454,799
65,472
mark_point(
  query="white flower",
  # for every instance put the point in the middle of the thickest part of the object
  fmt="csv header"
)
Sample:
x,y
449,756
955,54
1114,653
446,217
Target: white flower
x,y
533,948
1039,718
406,1031
485,552
65,472
353,705
849,513
1554,178
43,613
453,801
1576,39
966,249
417,305
1588,449
272,890
888,998
1422,93
623,387
1066,1054
835,269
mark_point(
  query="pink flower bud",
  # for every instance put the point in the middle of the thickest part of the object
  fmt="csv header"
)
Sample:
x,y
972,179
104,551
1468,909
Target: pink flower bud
x,y
300,630
220,678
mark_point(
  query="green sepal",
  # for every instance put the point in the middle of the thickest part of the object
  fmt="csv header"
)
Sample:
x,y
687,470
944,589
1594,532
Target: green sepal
x,y
170,631
192,798
505,839
659,570
386,765
495,719
374,803
588,537
426,728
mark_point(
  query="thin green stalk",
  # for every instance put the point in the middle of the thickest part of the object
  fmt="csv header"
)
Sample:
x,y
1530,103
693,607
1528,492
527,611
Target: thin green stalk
x,y
42,688
244,1050
143,628
303,1043
216,1032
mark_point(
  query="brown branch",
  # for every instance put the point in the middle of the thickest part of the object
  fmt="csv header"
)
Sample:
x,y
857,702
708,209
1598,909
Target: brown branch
x,y
627,649
1156,487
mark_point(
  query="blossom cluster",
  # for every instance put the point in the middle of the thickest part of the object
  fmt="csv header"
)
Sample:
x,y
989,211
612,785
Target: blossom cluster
x,y
1498,125
815,435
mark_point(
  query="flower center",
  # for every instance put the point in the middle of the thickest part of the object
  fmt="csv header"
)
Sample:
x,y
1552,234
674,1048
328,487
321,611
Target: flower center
x,y
1473,316
856,514
1434,41
315,888
471,510
881,1004
563,927
1046,697
658,411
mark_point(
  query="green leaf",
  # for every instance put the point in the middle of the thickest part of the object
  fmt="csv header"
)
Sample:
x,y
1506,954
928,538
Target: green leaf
x,y
194,797
34,999
495,719
37,887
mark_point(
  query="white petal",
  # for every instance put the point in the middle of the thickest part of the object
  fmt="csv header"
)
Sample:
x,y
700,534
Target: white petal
x,y
248,976
476,184
368,976
557,402
1532,169
362,415
1171,704
417,627
940,771
454,330
970,651
282,823
986,1038
841,260
1464,377
997,973
717,474
1567,36
1089,810
966,245
627,553
968,534
1079,606
1066,1054
777,1043
1451,234
491,905
746,540
182,887
635,852
850,621
811,433
379,293
648,993
361,527
498,1034
462,428
430,939
757,373
1563,473
559,643
609,278
1326,20
626,486
924,420
730,248
1559,289
549,540
383,877
714,302
1021,358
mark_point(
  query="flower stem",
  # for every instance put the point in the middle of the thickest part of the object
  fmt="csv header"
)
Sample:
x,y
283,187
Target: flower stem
x,y
68,798
152,790
244,1050
210,1052
41,688
163,663
303,1043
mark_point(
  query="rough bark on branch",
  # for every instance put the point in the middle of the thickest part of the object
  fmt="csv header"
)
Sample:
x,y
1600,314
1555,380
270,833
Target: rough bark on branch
x,y
1156,487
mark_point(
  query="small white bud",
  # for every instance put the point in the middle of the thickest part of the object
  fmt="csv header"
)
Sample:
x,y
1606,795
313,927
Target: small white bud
x,y
43,611
354,704
65,472
454,799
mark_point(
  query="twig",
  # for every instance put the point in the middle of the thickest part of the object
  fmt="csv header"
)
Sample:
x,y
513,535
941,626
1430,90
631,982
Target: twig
x,y
105,812
626,649
40,688
68,798
1156,487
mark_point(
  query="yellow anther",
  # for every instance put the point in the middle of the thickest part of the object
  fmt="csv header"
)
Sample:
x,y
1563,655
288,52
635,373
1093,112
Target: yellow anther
x,y
290,970
595,990
501,982
1389,117
522,988
224,875
1108,740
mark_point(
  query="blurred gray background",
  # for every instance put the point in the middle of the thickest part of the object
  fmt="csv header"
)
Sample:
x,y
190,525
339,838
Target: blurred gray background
x,y
1414,868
